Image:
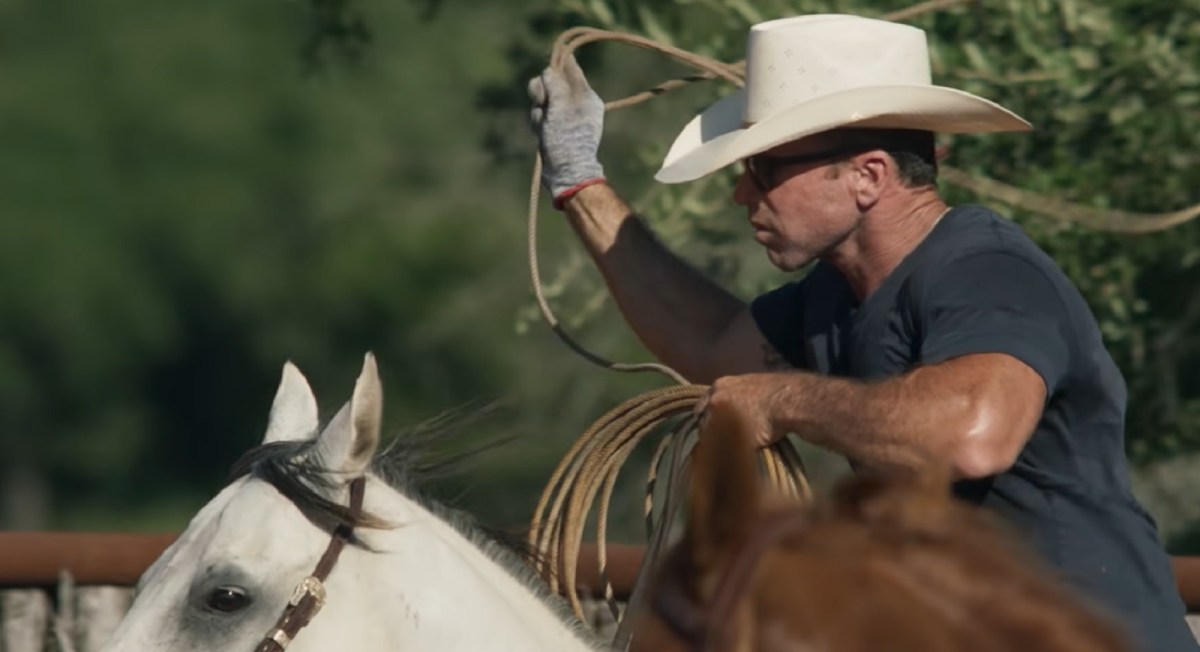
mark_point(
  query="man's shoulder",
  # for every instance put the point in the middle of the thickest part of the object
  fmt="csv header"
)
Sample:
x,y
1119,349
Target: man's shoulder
x,y
973,227
972,230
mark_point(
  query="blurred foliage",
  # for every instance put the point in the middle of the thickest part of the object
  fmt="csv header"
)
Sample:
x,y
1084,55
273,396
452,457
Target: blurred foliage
x,y
187,206
337,32
194,193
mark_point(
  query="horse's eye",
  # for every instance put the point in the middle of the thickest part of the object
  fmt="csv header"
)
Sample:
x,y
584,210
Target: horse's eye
x,y
227,599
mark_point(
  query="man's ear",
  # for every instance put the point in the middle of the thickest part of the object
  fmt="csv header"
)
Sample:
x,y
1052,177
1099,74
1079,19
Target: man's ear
x,y
870,174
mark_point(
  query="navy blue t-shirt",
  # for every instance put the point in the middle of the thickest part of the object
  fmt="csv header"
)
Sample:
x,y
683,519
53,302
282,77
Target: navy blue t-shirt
x,y
978,284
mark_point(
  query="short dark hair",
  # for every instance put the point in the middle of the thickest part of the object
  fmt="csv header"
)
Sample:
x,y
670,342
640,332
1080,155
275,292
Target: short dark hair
x,y
911,149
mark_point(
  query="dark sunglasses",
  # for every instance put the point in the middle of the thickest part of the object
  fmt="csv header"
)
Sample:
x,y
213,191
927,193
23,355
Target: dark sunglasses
x,y
762,167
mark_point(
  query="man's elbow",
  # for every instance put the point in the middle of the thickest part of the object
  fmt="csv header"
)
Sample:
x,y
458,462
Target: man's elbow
x,y
985,450
978,461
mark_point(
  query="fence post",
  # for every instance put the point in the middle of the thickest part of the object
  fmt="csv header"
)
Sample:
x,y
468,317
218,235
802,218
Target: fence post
x,y
26,615
64,619
98,612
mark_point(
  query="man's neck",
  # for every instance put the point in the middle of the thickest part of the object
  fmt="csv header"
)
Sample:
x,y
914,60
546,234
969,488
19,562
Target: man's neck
x,y
885,236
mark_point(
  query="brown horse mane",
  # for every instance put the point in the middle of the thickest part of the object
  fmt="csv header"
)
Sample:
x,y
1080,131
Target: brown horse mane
x,y
887,561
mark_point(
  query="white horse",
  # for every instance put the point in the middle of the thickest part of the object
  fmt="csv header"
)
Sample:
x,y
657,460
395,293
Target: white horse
x,y
407,578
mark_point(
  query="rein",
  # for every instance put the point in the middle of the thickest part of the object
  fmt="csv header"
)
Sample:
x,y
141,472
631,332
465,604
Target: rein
x,y
709,626
309,595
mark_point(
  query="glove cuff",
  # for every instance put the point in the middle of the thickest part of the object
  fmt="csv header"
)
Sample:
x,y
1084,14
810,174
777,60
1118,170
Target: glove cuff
x,y
561,198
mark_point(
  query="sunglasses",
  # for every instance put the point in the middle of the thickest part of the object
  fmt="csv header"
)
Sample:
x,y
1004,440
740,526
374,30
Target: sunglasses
x,y
762,167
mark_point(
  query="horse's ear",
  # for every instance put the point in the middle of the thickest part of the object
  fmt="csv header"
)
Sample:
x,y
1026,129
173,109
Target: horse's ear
x,y
294,411
725,491
349,441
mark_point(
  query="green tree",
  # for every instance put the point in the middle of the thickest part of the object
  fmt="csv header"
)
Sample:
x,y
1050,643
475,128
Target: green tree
x,y
196,193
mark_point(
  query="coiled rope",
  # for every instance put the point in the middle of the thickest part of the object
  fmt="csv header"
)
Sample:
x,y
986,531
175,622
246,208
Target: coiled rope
x,y
590,469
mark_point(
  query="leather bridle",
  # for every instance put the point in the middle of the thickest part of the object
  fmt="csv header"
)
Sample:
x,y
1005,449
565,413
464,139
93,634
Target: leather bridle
x,y
707,627
309,596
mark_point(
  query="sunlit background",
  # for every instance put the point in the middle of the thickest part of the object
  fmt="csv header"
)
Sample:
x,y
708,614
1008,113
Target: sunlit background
x,y
194,193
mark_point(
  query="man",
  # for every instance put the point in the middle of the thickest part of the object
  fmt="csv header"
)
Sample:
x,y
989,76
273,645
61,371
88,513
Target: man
x,y
923,332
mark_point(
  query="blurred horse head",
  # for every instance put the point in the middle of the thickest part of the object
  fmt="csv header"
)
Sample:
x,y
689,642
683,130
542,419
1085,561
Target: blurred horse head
x,y
889,563
318,545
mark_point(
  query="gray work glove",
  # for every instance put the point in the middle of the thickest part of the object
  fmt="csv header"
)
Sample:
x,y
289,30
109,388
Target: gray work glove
x,y
568,119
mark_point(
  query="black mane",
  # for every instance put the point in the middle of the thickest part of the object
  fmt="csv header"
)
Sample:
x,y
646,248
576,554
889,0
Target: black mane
x,y
411,458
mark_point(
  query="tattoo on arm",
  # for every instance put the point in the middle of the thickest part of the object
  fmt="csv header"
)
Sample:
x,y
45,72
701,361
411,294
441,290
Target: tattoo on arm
x,y
773,359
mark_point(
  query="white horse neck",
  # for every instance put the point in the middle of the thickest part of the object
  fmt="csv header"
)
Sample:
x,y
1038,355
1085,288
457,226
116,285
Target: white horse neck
x,y
460,591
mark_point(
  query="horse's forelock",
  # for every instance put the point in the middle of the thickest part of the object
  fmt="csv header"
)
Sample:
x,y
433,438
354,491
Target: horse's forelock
x,y
294,470
411,458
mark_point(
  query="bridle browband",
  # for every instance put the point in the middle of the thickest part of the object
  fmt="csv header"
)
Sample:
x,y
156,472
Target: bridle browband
x,y
309,596
708,626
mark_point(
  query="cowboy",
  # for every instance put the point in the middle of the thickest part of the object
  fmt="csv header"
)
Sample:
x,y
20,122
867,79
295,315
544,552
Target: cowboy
x,y
921,331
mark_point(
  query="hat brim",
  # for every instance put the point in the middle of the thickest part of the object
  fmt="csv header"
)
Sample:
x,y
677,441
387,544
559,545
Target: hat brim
x,y
717,138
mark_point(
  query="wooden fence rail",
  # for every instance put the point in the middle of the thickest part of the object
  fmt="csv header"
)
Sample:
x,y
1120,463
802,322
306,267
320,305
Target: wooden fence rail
x,y
36,559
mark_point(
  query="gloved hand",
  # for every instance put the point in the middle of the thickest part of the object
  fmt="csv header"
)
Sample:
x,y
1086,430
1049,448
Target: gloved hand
x,y
568,119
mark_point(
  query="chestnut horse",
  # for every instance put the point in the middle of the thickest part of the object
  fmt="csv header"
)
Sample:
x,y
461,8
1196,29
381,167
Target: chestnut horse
x,y
889,563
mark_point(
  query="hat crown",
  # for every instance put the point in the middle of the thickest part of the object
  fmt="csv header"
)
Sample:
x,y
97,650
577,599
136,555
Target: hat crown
x,y
795,60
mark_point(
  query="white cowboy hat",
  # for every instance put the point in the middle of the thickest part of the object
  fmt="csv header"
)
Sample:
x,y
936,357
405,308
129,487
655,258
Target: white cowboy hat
x,y
814,73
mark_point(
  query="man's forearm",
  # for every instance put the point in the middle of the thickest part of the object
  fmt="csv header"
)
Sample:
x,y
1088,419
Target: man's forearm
x,y
675,311
973,413
886,424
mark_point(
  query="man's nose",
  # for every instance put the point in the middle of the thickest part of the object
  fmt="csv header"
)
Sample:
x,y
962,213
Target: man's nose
x,y
745,192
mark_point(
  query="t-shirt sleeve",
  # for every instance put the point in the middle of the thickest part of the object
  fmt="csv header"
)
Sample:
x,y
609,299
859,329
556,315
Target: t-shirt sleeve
x,y
779,315
995,302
